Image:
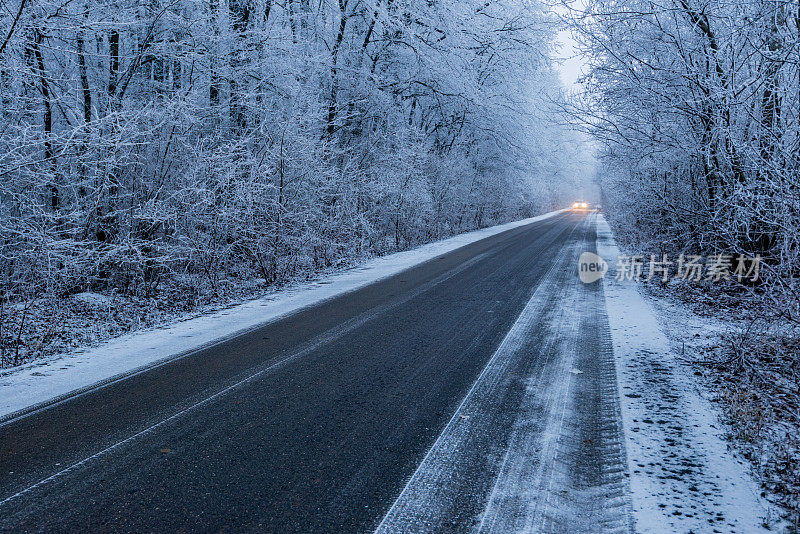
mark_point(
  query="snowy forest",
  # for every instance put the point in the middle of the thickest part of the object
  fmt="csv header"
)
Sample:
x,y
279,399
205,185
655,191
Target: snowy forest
x,y
696,106
180,150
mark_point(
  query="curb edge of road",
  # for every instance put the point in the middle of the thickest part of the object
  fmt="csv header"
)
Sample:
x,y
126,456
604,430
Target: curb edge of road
x,y
58,399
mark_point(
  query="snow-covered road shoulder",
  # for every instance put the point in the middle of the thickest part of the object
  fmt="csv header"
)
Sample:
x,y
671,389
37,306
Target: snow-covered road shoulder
x,y
683,476
48,380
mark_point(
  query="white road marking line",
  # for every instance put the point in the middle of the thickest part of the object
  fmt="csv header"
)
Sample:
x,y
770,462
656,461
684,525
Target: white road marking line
x,y
325,338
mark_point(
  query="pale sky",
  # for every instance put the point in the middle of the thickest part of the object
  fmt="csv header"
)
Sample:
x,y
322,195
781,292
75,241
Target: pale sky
x,y
569,64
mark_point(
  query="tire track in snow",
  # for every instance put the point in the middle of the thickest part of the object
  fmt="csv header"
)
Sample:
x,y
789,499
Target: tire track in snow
x,y
535,469
428,496
569,476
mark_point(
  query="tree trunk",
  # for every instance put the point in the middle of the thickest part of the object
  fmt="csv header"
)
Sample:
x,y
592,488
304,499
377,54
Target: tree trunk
x,y
44,89
334,68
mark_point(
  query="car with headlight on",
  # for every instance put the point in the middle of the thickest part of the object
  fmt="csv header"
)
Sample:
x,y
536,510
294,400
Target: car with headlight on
x,y
580,205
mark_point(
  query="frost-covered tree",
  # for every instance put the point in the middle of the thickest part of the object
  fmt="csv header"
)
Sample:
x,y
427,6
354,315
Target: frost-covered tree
x,y
696,104
195,144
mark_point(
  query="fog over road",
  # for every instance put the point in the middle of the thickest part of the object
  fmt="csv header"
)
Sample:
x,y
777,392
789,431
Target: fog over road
x,y
475,392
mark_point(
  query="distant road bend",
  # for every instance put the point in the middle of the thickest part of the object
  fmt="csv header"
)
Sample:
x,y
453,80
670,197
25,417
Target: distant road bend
x,y
473,393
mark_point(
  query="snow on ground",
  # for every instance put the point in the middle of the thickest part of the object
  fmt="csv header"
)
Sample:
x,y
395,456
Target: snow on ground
x,y
683,475
48,379
94,299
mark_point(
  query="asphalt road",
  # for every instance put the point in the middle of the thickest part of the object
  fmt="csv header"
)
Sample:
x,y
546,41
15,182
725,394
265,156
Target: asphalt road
x,y
351,415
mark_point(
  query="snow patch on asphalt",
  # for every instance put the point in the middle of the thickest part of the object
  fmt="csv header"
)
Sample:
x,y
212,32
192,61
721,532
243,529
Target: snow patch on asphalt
x,y
544,484
423,502
563,466
51,378
683,476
